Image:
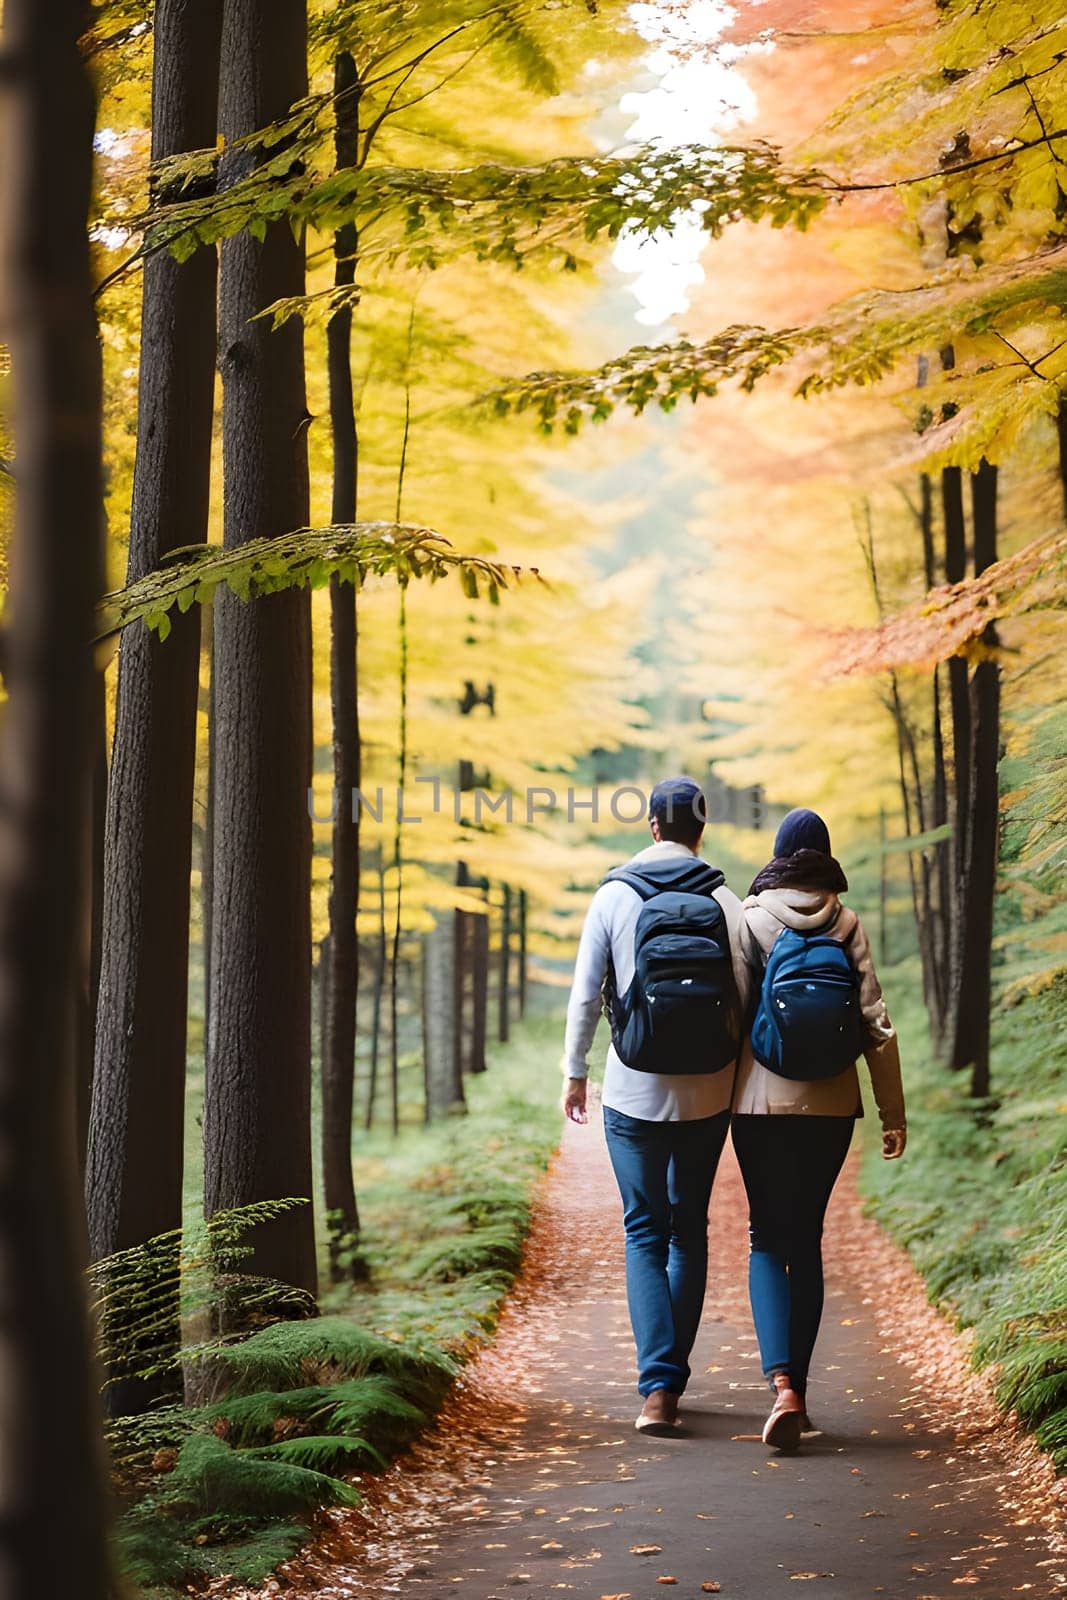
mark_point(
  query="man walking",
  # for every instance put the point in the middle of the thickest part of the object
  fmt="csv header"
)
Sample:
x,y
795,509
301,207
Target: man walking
x,y
665,944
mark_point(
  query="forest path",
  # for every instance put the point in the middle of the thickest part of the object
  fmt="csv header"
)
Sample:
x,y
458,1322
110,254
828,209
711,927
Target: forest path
x,y
534,1482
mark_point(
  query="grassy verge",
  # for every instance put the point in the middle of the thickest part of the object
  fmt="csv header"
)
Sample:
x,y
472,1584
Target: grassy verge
x,y
304,1407
980,1197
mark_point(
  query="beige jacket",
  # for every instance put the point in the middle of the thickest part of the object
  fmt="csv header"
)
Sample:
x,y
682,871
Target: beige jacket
x,y
757,1089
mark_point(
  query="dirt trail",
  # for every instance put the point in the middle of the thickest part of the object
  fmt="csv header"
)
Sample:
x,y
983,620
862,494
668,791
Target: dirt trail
x,y
535,1484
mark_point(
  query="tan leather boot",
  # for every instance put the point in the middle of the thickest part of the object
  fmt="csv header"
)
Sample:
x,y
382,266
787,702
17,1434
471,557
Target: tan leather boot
x,y
659,1414
782,1428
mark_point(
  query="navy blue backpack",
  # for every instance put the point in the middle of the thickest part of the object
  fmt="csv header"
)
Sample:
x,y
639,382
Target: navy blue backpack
x,y
808,1024
681,1012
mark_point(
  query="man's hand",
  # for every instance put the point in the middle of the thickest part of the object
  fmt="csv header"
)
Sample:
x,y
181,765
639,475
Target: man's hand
x,y
574,1099
893,1143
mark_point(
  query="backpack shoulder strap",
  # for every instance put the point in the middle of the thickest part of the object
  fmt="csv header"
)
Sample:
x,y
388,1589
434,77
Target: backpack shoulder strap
x,y
635,881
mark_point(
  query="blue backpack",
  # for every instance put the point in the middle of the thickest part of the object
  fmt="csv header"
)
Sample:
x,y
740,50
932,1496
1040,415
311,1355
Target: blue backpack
x,y
808,1023
681,1012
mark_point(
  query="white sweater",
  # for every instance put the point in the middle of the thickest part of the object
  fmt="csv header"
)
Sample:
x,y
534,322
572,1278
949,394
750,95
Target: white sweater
x,y
609,929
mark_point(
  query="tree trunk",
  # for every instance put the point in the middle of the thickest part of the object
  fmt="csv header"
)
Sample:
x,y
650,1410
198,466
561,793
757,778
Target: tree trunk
x,y
134,1180
342,968
503,1030
380,962
93,929
959,790
53,1502
1061,433
942,863
955,572
207,838
257,1123
460,968
441,1065
970,1041
479,968
941,877
523,911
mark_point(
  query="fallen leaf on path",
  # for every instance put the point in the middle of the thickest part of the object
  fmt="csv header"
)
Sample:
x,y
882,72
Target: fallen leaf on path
x,y
645,1549
747,1437
804,1576
711,1587
616,1597
666,1580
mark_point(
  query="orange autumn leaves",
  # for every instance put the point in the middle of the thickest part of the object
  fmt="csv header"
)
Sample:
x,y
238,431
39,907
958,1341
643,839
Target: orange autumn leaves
x,y
709,1586
951,619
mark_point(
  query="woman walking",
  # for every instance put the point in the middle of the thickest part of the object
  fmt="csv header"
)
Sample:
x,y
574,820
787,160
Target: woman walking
x,y
797,1096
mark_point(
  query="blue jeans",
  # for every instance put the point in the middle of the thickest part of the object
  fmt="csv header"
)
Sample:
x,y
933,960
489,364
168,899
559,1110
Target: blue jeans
x,y
665,1171
789,1165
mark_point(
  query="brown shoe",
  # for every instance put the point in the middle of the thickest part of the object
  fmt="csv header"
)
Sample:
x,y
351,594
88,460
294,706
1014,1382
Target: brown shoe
x,y
783,1427
659,1414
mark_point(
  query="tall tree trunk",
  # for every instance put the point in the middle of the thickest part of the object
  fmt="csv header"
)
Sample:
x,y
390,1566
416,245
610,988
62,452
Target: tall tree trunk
x,y
461,965
1061,434
441,1065
381,957
523,913
342,961
959,789
479,964
503,1029
257,1122
53,1503
970,1042
207,838
939,816
134,1179
93,930
941,875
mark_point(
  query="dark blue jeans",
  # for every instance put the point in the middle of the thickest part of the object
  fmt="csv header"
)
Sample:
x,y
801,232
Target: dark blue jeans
x,y
790,1165
665,1171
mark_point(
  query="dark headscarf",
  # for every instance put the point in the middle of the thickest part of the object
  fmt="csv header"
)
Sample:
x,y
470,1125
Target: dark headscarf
x,y
802,857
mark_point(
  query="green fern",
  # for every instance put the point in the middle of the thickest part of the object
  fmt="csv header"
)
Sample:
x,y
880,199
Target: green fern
x,y
212,1479
288,1354
370,1407
325,1453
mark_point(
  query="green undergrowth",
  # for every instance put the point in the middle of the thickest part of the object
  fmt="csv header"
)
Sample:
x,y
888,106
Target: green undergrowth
x,y
980,1197
293,1416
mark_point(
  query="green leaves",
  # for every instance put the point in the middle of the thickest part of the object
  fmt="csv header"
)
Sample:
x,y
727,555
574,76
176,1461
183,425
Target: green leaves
x,y
307,558
662,373
495,212
860,341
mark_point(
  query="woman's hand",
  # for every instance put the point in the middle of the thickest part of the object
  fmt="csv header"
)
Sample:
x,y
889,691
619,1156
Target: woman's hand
x,y
574,1099
893,1143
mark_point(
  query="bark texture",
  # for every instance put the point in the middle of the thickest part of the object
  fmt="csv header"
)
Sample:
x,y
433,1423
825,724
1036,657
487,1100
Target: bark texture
x,y
441,1063
980,833
342,948
53,1504
134,1178
257,1130
503,1023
